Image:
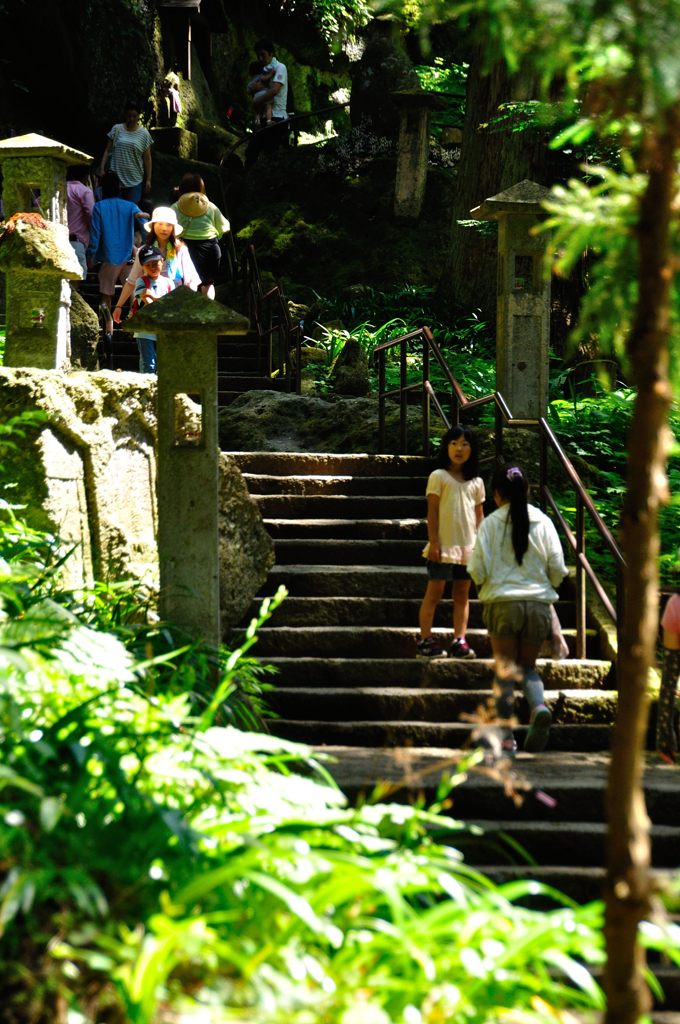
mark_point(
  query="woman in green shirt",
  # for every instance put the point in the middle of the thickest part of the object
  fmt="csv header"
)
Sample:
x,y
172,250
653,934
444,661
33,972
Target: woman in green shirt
x,y
203,225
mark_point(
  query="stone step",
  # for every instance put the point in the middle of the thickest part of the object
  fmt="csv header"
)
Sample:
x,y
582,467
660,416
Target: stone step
x,y
266,483
583,885
347,529
341,506
347,580
424,734
285,464
319,552
413,672
237,365
396,703
368,641
378,611
576,781
555,842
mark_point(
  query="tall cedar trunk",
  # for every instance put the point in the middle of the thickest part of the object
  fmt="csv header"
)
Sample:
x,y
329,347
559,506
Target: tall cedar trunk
x,y
491,160
629,886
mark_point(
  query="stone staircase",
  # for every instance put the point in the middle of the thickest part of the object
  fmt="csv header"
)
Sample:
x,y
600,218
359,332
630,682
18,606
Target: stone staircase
x,y
348,532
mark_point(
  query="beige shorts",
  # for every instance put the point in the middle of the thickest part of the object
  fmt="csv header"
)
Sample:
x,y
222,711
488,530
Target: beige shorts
x,y
110,274
519,620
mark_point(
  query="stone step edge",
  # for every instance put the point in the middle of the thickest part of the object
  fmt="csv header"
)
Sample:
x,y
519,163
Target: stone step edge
x,y
384,662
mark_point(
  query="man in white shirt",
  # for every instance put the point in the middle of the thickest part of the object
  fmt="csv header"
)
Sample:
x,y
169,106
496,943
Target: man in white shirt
x,y
270,138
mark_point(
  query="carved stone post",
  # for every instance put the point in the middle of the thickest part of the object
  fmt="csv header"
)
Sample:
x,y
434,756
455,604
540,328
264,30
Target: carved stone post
x,y
523,328
187,325
415,109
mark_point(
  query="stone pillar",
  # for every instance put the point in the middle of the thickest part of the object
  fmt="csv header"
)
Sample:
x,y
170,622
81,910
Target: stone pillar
x,y
413,146
187,325
38,263
523,304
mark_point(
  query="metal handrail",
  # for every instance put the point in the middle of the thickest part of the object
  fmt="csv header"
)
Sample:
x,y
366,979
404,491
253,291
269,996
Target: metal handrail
x,y
269,314
503,417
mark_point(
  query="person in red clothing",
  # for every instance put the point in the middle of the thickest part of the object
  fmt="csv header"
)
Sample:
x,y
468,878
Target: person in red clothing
x,y
667,740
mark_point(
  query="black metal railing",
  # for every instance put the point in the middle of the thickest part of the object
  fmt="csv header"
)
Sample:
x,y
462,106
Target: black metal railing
x,y
278,338
586,514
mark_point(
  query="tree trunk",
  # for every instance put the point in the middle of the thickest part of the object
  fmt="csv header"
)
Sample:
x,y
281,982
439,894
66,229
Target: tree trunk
x,y
629,886
491,160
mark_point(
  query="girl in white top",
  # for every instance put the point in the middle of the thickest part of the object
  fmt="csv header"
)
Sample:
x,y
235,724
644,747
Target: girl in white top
x,y
517,563
455,495
163,230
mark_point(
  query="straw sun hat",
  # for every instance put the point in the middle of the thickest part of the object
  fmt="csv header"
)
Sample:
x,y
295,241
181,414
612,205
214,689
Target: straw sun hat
x,y
166,215
193,204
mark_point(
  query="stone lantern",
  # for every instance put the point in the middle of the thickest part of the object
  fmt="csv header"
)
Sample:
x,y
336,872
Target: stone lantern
x,y
413,146
523,304
187,325
38,294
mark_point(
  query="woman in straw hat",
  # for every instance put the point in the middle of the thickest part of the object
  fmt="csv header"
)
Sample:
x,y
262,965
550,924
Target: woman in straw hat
x,y
203,224
163,230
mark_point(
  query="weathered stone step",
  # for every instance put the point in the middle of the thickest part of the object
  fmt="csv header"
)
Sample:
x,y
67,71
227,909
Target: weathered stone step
x,y
373,641
315,463
555,842
377,611
263,483
348,580
340,506
396,703
582,884
237,365
359,552
350,529
410,672
424,734
576,781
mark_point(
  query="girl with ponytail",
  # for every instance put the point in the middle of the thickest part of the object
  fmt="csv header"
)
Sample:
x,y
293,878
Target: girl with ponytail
x,y
517,563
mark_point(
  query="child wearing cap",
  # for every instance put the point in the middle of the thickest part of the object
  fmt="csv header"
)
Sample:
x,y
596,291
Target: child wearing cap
x,y
149,287
203,225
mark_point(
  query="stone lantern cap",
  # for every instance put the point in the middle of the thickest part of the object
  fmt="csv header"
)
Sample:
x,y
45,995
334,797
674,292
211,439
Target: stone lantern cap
x,y
418,99
185,310
37,245
524,198
37,145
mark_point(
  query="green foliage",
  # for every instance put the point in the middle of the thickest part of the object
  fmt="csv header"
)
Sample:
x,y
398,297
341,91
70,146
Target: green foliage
x,y
333,18
448,80
595,429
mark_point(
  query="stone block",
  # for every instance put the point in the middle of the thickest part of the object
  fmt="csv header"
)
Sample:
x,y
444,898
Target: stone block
x,y
176,141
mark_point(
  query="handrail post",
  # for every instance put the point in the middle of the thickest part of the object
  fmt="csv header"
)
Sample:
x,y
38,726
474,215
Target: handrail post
x,y
381,400
543,465
498,440
426,394
620,607
580,580
402,398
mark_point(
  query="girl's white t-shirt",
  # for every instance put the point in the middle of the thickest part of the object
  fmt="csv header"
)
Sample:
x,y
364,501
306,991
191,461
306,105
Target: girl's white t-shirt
x,y
457,519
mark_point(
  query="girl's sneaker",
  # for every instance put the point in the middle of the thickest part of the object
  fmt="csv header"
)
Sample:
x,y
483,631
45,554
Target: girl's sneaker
x,y
539,727
430,648
461,649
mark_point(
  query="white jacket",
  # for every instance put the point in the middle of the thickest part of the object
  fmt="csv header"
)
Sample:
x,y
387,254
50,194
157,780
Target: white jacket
x,y
494,568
